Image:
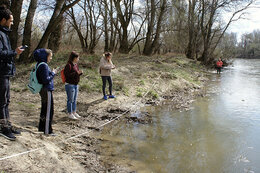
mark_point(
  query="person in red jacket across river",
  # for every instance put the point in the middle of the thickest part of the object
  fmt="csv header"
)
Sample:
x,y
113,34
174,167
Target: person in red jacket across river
x,y
219,65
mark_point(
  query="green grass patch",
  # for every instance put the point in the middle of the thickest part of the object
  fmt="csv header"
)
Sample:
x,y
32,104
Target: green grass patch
x,y
125,91
181,73
16,89
28,105
118,83
90,81
141,82
153,94
140,92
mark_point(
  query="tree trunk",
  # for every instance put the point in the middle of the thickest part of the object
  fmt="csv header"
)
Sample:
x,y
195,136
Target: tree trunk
x,y
28,30
7,3
190,52
105,16
113,33
16,8
148,42
56,36
123,48
207,31
155,45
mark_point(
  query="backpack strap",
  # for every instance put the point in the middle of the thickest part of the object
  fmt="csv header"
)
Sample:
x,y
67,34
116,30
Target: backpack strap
x,y
37,66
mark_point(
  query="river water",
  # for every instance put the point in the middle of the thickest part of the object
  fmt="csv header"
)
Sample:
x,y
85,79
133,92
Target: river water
x,y
220,133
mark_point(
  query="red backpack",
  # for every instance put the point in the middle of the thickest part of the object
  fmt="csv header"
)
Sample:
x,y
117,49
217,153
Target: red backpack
x,y
62,75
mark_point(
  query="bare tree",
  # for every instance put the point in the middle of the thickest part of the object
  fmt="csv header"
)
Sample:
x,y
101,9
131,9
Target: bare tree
x,y
154,29
124,19
94,15
28,30
60,8
206,13
87,27
110,31
174,30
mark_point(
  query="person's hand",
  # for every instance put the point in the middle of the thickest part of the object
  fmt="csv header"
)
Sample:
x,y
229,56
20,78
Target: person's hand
x,y
18,50
80,72
54,71
113,67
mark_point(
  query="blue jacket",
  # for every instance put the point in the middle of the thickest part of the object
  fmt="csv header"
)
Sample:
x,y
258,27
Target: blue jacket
x,y
7,55
44,74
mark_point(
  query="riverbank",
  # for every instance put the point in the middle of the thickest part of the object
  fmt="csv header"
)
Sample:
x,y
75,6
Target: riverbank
x,y
137,80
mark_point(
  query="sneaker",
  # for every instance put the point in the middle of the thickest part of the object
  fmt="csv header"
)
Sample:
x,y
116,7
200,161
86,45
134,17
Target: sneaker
x,y
105,97
112,96
15,130
71,116
7,133
52,134
76,115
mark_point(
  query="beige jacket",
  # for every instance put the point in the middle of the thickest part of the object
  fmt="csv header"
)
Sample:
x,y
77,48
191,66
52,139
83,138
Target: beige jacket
x,y
105,67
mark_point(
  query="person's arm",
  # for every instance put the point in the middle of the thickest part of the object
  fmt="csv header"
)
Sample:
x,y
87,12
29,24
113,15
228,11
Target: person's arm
x,y
78,71
44,73
105,65
6,55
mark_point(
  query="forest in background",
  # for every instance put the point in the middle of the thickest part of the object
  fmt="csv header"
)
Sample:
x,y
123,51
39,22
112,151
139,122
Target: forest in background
x,y
195,28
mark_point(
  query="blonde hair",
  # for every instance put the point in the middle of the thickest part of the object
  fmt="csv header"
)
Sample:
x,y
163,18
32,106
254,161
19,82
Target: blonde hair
x,y
48,51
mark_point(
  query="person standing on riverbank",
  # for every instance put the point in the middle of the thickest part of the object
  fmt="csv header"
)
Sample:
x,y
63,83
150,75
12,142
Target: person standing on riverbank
x,y
7,70
72,75
105,67
45,77
219,65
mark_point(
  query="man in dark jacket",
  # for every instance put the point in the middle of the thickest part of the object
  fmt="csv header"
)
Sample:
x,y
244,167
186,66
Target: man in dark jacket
x,y
7,70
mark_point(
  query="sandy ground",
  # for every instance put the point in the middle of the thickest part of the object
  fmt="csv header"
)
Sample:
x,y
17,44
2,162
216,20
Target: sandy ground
x,y
75,149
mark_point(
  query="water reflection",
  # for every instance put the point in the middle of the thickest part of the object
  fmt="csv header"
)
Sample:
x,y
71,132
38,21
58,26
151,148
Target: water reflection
x,y
219,134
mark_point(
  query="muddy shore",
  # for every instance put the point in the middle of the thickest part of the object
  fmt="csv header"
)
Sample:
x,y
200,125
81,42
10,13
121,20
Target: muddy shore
x,y
138,81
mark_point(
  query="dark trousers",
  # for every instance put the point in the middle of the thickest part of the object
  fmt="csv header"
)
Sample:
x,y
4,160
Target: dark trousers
x,y
104,80
47,110
218,69
4,100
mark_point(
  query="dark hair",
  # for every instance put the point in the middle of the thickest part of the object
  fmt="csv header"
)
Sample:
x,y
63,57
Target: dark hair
x,y
4,13
73,55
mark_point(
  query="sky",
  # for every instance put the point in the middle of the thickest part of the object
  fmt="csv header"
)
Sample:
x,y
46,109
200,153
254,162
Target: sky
x,y
249,24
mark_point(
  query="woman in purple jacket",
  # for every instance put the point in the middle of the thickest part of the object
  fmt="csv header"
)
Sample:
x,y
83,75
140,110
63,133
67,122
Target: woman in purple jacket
x,y
72,75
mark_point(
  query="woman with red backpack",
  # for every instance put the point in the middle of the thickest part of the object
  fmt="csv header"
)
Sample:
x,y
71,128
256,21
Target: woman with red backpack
x,y
72,75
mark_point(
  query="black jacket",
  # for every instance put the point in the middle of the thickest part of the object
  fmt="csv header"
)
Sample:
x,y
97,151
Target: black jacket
x,y
7,55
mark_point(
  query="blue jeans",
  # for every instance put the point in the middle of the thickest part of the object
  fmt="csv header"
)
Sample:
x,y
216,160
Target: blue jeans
x,y
72,94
